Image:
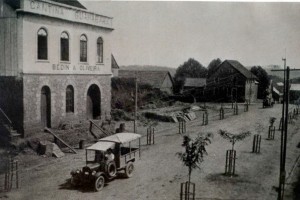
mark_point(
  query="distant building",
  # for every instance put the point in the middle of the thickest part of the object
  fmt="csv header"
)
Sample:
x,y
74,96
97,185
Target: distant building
x,y
277,87
55,63
157,79
295,92
231,81
114,66
195,87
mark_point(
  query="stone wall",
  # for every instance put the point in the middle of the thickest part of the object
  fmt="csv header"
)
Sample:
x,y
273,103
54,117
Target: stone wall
x,y
58,83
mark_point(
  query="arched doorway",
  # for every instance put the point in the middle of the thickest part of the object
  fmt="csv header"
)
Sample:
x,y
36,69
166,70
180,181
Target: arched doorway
x,y
46,107
93,102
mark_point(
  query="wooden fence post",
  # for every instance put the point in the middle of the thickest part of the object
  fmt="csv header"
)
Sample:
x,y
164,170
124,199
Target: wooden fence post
x,y
150,135
256,143
205,118
187,191
271,133
182,127
221,113
230,162
280,125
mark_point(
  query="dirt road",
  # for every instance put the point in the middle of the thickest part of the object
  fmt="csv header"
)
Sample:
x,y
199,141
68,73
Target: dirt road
x,y
159,173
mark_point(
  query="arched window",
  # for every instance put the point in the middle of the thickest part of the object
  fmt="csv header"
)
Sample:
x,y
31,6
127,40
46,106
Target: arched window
x,y
100,50
42,44
70,99
83,48
64,47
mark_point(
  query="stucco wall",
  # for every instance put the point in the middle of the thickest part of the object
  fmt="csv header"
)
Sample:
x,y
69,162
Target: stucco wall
x,y
54,28
251,91
58,84
8,41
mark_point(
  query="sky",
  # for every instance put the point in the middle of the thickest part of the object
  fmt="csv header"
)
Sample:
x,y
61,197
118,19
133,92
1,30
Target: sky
x,y
168,33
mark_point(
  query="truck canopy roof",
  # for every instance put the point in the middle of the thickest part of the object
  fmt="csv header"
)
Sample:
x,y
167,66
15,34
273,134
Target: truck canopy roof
x,y
109,142
101,146
121,137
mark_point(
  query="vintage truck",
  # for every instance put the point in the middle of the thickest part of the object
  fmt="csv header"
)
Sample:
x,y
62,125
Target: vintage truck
x,y
97,171
268,102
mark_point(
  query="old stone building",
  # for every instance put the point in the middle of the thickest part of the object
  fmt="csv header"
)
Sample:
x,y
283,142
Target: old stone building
x,y
55,63
232,82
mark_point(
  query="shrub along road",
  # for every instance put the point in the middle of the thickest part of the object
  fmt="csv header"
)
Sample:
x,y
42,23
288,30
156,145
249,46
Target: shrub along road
x,y
159,172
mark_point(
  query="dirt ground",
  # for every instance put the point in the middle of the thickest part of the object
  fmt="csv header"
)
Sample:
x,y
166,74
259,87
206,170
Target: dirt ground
x,y
159,172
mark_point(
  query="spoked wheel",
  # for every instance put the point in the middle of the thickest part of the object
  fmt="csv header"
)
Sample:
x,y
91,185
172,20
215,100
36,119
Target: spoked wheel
x,y
99,183
74,182
129,169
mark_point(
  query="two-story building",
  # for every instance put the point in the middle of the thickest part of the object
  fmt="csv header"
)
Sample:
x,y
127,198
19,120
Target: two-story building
x,y
55,63
231,81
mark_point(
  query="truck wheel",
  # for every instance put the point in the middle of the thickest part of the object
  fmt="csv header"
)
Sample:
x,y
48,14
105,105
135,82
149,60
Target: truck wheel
x,y
99,183
111,169
74,182
129,169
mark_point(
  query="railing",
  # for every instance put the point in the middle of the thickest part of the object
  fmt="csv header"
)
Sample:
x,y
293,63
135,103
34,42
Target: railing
x,y
56,137
7,118
98,127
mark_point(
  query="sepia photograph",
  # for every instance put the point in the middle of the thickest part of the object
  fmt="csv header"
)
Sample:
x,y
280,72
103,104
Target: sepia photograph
x,y
149,100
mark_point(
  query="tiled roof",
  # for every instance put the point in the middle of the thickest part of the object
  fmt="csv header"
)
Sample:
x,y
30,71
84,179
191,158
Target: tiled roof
x,y
243,70
195,82
74,3
153,78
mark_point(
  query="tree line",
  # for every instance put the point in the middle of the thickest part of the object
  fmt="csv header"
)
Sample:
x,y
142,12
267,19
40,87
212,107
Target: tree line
x,y
194,69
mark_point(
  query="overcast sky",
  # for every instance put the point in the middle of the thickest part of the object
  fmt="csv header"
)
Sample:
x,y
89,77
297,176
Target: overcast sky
x,y
168,33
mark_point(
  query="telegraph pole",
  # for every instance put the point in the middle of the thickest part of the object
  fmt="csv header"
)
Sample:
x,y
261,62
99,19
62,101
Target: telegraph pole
x,y
135,108
284,130
281,173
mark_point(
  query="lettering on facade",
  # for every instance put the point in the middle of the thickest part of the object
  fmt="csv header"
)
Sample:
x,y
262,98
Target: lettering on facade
x,y
80,15
46,7
67,13
67,67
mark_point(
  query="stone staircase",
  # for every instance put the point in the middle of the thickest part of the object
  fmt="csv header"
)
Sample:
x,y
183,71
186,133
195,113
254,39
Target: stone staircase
x,y
8,135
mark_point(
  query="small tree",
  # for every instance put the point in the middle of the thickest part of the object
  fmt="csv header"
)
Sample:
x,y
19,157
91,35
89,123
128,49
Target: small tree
x,y
194,151
234,138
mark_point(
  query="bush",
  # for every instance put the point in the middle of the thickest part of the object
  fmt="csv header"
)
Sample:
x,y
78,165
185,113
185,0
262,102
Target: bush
x,y
118,115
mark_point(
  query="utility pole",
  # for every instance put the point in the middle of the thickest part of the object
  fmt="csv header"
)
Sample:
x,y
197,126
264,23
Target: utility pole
x,y
281,173
250,91
135,101
284,130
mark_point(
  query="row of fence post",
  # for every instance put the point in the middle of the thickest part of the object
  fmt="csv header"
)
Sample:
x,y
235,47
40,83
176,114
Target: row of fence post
x,y
150,135
11,176
187,191
205,118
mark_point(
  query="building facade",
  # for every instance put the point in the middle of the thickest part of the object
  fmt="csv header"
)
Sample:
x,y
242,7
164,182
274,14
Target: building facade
x,y
55,63
232,82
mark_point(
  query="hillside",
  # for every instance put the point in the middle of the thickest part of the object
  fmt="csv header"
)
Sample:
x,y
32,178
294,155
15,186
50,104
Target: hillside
x,y
149,68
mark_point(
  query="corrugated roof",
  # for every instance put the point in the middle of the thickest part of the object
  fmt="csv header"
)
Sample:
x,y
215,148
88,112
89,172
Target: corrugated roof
x,y
74,3
153,78
295,87
195,82
243,70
